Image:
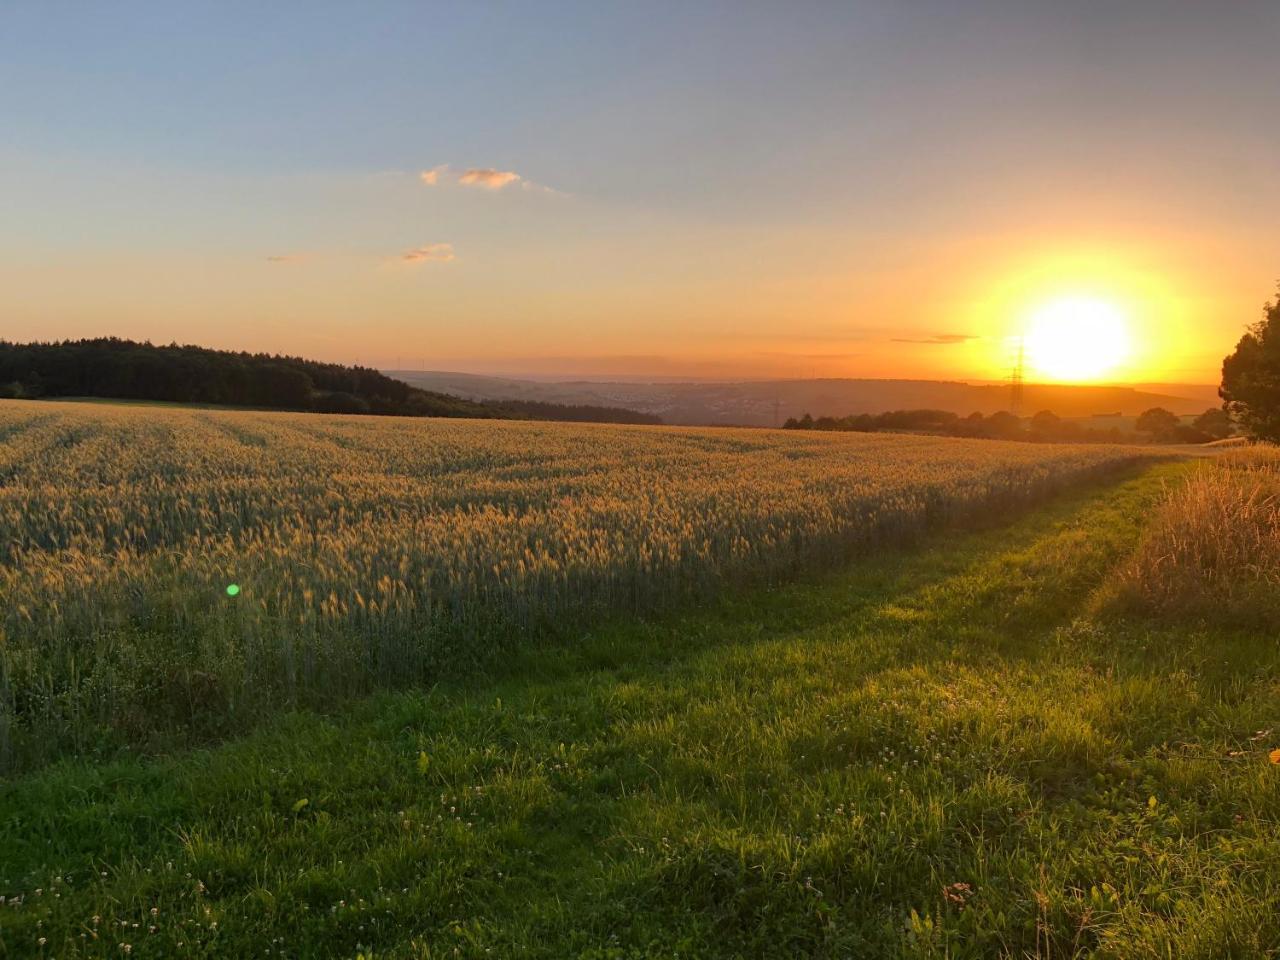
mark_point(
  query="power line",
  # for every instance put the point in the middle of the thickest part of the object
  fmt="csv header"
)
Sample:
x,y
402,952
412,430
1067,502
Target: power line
x,y
1016,381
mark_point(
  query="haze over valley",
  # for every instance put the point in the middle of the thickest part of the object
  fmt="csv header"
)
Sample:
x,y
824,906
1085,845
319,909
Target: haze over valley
x,y
766,403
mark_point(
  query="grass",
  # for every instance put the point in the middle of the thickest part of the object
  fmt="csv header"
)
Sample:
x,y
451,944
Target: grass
x,y
928,753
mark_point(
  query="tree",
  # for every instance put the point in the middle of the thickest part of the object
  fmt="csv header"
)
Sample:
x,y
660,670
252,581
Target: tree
x,y
339,401
280,385
1162,424
1046,425
1004,425
1251,377
1215,422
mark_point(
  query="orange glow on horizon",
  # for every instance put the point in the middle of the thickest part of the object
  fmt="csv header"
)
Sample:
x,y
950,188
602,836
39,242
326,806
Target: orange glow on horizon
x,y
953,313
1092,316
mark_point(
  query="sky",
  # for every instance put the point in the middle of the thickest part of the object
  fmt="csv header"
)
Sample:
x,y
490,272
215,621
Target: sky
x,y
710,189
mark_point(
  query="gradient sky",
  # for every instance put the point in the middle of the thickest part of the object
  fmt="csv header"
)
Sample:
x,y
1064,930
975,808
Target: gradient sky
x,y
863,189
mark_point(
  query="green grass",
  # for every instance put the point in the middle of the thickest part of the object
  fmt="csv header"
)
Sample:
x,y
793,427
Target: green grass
x,y
805,771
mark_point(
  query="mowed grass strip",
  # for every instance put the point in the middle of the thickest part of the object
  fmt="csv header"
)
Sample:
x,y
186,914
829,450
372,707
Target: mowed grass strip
x,y
930,753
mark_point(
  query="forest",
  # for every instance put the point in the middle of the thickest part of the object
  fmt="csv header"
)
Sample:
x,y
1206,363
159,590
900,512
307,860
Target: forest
x,y
114,368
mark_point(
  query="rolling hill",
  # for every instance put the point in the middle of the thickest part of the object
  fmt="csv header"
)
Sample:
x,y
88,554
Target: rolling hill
x,y
117,369
771,402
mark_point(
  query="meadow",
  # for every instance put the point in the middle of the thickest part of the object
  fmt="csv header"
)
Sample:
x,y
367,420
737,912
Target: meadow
x,y
963,747
539,690
170,572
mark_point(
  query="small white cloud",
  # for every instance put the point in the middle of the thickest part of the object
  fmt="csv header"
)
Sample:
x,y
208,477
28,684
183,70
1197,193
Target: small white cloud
x,y
431,253
488,178
285,258
484,178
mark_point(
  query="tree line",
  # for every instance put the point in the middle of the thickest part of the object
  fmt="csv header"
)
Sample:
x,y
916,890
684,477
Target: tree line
x,y
113,368
1158,425
1250,392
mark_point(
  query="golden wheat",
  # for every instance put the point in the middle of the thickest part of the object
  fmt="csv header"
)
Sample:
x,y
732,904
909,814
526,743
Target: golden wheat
x,y
367,550
1213,547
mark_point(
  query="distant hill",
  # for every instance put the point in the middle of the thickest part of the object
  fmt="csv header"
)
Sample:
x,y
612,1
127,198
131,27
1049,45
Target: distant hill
x,y
571,412
770,403
1204,394
127,370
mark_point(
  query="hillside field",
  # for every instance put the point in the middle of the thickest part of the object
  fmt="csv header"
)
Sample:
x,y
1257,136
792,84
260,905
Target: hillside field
x,y
303,686
167,569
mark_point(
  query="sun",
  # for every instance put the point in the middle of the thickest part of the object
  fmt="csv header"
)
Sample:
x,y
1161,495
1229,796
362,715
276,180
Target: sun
x,y
1076,338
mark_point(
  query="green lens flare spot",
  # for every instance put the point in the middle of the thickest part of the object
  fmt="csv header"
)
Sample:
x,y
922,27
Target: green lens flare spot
x,y
233,589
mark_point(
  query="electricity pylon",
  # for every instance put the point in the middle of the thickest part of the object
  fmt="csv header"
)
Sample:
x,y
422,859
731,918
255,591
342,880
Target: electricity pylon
x,y
1016,382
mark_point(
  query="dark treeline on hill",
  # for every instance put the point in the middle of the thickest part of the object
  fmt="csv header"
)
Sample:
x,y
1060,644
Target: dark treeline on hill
x,y
1157,424
127,370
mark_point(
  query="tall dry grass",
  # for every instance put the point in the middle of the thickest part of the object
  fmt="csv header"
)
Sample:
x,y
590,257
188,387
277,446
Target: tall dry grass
x,y
1213,547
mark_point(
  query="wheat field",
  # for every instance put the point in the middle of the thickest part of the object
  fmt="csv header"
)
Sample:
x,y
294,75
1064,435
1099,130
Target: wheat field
x,y
367,552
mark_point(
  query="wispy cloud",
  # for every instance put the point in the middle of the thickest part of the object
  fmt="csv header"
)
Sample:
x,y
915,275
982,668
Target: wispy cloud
x,y
286,258
488,178
431,253
944,338
483,178
432,177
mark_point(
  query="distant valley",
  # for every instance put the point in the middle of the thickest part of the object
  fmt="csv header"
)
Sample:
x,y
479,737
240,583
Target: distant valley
x,y
770,402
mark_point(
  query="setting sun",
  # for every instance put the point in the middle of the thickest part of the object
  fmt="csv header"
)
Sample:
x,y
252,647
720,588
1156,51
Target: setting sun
x,y
1076,338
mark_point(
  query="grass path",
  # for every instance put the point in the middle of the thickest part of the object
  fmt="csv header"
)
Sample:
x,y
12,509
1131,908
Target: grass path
x,y
936,752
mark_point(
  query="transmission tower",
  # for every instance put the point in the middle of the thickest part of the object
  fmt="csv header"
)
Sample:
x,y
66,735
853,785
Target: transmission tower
x,y
1016,382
